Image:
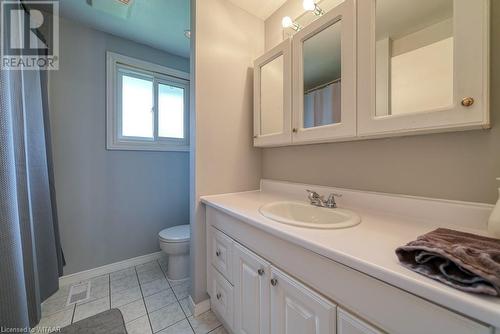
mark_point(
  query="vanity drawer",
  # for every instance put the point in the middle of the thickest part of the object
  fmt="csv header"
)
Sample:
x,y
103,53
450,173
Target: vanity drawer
x,y
222,298
222,254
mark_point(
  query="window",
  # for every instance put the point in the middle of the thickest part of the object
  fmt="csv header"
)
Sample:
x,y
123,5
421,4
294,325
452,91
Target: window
x,y
147,106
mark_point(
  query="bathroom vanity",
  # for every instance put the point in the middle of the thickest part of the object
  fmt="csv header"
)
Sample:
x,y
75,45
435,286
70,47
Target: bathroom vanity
x,y
265,276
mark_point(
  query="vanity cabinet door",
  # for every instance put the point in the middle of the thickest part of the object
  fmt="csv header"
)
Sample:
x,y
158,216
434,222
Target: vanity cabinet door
x,y
349,324
324,77
423,66
296,309
272,97
251,287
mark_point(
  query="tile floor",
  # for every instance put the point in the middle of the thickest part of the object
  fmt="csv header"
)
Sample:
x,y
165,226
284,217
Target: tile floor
x,y
149,302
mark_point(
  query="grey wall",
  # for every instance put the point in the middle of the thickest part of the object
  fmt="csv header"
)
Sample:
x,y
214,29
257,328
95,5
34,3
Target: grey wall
x,y
460,166
111,204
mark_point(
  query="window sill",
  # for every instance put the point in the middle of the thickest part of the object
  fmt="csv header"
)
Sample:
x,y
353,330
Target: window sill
x,y
146,147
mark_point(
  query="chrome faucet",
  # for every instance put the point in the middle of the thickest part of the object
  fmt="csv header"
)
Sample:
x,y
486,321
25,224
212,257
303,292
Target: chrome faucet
x,y
318,200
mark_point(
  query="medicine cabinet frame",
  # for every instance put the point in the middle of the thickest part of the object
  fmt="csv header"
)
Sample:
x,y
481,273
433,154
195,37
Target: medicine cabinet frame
x,y
345,13
283,138
471,24
359,120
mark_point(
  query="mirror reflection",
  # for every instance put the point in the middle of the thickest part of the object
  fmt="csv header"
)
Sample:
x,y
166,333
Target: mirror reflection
x,y
414,63
271,97
322,77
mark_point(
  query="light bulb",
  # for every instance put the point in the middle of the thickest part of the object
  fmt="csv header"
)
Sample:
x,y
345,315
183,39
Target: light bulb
x,y
309,5
287,22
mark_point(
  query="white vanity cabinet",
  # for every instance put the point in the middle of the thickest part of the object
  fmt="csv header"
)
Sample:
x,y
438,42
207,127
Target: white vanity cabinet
x,y
251,285
273,286
296,309
258,298
349,324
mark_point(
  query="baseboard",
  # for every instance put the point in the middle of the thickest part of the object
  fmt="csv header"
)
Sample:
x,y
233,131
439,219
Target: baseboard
x,y
199,308
109,268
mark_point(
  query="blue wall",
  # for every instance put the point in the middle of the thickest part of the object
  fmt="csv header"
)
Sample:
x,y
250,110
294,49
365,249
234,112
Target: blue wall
x,y
111,204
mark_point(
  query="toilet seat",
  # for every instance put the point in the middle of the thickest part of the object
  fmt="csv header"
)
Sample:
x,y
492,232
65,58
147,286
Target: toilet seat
x,y
174,234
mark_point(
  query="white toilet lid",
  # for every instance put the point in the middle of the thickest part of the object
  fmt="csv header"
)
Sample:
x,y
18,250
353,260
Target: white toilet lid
x,y
178,233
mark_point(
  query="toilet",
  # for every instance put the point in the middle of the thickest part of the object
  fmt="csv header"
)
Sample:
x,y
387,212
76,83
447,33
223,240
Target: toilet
x,y
174,241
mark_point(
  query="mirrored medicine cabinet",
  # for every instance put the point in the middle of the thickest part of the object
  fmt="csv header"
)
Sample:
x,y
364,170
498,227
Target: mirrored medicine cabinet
x,y
376,68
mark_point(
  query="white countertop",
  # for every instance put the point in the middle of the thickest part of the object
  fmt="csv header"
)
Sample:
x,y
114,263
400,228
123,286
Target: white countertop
x,y
368,247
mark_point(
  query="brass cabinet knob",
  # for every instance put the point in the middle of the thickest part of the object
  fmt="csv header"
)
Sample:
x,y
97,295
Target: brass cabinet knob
x,y
467,101
260,272
217,253
219,296
294,130
274,282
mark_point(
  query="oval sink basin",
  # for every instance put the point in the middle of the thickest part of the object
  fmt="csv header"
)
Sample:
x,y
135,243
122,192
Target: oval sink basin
x,y
306,215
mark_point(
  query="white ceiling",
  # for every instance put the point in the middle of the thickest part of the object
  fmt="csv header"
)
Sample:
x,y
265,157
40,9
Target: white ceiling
x,y
260,8
156,23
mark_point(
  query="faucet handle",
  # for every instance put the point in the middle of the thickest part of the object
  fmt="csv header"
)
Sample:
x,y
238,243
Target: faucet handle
x,y
312,194
330,202
315,198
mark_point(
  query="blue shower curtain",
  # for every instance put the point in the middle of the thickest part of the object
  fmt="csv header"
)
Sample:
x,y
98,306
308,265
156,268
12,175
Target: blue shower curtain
x,y
30,252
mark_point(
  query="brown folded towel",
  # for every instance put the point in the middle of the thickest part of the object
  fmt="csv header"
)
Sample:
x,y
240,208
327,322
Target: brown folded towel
x,y
462,260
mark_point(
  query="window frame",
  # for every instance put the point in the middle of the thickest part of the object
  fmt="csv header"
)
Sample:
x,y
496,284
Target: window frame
x,y
116,65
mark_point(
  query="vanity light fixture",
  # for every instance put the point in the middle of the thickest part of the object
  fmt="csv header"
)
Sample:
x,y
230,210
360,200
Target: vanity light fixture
x,y
311,6
287,22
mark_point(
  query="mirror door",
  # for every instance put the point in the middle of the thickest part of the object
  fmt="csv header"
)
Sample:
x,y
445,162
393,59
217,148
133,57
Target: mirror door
x,y
324,77
423,66
272,101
